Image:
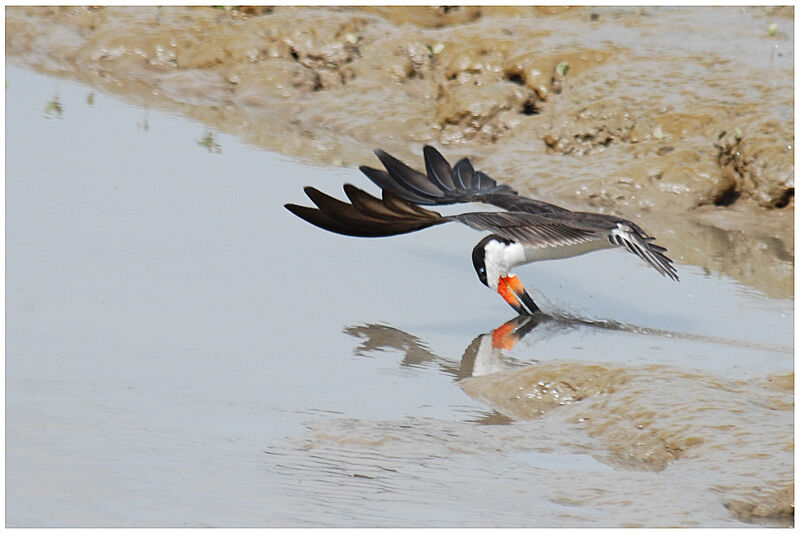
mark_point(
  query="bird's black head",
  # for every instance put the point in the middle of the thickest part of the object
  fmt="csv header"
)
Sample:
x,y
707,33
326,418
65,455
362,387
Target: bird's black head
x,y
478,261
479,256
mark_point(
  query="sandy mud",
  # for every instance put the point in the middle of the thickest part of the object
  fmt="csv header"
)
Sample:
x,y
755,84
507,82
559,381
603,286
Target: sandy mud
x,y
680,117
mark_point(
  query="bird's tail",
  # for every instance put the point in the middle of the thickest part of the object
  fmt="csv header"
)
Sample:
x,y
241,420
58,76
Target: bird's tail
x,y
366,216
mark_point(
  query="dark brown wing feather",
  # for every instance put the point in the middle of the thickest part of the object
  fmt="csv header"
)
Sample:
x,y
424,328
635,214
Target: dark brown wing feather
x,y
438,169
449,185
384,181
414,180
367,216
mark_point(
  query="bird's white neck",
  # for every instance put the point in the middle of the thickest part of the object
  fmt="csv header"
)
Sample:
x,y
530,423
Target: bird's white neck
x,y
500,258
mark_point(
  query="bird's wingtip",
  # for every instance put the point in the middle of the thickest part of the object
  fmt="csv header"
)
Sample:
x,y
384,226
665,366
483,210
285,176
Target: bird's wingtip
x,y
295,208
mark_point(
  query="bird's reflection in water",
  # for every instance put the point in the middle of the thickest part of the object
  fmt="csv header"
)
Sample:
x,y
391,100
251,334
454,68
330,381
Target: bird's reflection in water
x,y
489,353
501,372
486,354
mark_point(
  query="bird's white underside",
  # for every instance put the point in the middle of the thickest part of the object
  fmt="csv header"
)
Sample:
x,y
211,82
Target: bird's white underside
x,y
500,258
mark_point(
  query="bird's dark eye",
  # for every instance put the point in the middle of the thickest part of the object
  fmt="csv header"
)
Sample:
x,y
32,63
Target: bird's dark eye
x,y
482,270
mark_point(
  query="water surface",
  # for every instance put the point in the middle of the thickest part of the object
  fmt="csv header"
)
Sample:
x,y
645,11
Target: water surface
x,y
181,350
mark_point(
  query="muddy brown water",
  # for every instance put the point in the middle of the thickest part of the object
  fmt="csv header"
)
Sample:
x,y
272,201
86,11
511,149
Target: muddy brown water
x,y
175,358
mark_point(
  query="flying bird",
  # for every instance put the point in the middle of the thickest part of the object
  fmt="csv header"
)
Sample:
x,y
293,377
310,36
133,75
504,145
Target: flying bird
x,y
527,231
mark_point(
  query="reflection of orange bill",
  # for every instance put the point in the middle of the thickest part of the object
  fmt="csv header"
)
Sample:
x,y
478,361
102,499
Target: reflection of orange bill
x,y
513,292
503,338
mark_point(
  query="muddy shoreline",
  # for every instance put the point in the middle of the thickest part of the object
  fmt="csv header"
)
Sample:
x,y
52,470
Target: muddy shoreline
x,y
639,112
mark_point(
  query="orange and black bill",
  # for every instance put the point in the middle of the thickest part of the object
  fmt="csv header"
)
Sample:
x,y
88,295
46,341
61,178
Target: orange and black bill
x,y
513,292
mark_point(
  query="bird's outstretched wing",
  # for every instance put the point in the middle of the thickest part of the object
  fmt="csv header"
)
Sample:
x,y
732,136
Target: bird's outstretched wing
x,y
449,185
530,222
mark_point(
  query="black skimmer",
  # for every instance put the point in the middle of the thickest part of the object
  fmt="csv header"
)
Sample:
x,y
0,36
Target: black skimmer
x,y
528,230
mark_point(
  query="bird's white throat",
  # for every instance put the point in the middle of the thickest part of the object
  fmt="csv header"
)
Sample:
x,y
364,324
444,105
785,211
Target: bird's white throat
x,y
500,258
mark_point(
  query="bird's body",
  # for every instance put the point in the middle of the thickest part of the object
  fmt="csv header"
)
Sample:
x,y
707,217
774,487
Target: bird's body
x,y
532,254
528,230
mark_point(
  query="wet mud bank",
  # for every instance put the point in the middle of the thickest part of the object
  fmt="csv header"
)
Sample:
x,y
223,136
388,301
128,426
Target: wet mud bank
x,y
679,117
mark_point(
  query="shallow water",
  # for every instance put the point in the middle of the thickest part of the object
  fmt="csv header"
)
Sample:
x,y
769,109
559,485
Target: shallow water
x,y
181,350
